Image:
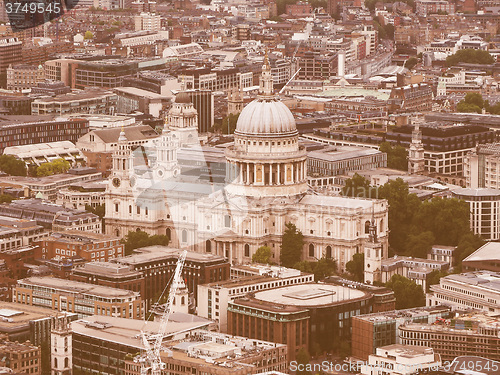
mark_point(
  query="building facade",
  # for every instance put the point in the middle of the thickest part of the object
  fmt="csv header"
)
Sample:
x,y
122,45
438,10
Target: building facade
x,y
76,297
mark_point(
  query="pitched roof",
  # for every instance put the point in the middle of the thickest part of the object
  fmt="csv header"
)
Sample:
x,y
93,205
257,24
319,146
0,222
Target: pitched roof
x,y
133,133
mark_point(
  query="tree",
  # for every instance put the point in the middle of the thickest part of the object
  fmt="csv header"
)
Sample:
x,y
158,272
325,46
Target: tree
x,y
448,219
358,186
228,123
135,240
420,244
473,102
408,294
88,35
468,108
303,358
324,267
262,255
54,167
356,267
12,166
411,62
402,208
467,244
434,278
397,156
292,243
471,56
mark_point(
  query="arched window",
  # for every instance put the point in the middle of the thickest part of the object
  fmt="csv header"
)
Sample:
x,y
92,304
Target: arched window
x,y
66,362
168,233
311,250
184,235
117,232
183,300
381,225
367,226
328,252
247,250
55,362
137,229
208,246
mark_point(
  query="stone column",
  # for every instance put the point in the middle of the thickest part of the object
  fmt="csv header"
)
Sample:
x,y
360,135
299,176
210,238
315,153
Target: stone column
x,y
278,174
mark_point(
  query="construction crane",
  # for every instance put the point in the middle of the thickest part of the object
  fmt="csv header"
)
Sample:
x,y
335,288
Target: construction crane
x,y
151,362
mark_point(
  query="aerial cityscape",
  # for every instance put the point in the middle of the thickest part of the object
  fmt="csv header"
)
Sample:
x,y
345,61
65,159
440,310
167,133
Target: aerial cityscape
x,y
233,187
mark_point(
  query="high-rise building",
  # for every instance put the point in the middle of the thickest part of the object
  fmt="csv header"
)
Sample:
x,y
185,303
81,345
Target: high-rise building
x,y
10,53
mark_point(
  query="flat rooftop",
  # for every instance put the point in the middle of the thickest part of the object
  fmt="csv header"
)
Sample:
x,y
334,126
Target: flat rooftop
x,y
77,287
403,314
14,314
128,331
334,154
157,252
310,295
481,279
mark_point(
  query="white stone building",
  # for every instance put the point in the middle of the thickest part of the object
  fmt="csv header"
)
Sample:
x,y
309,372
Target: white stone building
x,y
266,188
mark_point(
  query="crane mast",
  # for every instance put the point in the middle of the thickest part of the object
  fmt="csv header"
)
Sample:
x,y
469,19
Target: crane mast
x,y
151,359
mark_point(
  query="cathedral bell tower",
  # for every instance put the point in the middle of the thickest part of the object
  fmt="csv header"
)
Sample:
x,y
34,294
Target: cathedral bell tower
x,y
416,161
373,256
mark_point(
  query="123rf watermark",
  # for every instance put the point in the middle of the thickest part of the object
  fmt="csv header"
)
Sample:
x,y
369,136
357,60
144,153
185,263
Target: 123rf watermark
x,y
365,367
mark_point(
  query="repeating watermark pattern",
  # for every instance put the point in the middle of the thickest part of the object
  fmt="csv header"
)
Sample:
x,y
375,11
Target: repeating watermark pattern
x,y
484,365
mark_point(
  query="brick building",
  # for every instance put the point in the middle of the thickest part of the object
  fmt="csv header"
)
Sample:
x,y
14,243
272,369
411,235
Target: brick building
x,y
90,246
20,357
76,297
411,98
156,264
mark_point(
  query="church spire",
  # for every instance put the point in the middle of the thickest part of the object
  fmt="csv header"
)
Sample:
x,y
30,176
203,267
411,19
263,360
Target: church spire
x,y
266,79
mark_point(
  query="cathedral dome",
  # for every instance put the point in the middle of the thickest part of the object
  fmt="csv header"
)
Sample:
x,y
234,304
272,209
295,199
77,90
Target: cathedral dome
x,y
266,117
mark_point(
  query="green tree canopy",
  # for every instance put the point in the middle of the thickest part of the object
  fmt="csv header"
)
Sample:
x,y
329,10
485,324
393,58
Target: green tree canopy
x,y
408,294
402,207
356,267
88,35
54,167
322,268
418,245
12,166
292,243
473,102
397,156
262,255
359,187
303,358
138,239
471,56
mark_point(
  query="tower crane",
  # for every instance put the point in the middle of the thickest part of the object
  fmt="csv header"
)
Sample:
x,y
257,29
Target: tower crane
x,y
151,360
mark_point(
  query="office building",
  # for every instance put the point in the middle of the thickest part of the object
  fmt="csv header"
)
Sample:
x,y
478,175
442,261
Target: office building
x,y
40,131
156,265
484,206
412,98
80,195
324,312
371,331
15,104
92,247
50,88
47,187
487,258
213,298
426,7
147,21
52,216
20,357
400,359
24,77
132,99
464,335
203,102
482,167
92,100
218,354
10,53
76,297
478,290
334,161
